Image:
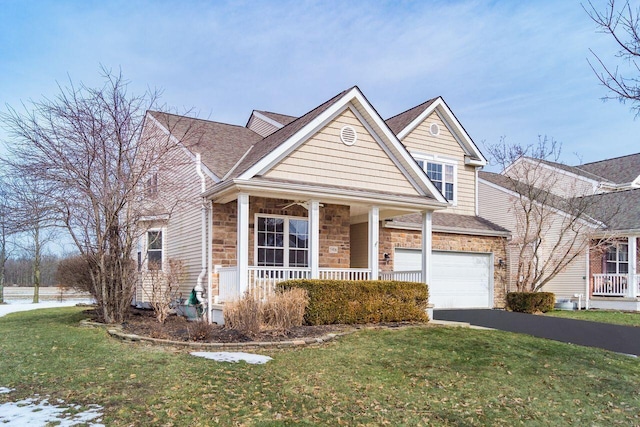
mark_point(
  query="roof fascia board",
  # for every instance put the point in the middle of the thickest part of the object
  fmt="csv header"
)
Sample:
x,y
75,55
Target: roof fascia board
x,y
268,120
189,153
594,223
413,203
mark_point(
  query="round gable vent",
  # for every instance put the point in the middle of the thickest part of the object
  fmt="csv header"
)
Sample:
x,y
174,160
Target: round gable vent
x,y
434,129
348,135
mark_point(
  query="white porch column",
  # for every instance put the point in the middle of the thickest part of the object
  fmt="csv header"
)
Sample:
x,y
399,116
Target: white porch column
x,y
633,287
314,238
426,247
374,237
242,246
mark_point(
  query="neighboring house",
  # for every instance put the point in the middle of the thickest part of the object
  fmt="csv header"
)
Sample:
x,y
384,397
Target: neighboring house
x,y
336,193
602,275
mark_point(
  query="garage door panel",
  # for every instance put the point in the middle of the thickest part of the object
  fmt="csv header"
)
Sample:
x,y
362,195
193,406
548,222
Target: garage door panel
x,y
458,279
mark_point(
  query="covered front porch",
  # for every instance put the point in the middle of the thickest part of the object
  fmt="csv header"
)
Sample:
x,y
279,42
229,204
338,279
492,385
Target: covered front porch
x,y
280,236
615,279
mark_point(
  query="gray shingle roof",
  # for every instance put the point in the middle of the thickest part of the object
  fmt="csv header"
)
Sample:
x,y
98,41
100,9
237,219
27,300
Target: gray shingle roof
x,y
453,222
220,145
271,142
402,120
572,169
620,170
619,210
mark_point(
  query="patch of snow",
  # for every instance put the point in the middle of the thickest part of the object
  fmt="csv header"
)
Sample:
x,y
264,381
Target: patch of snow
x,y
4,390
13,308
233,357
36,413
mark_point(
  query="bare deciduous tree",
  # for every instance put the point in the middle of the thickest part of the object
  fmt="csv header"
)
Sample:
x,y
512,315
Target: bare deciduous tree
x,y
90,146
554,220
622,23
162,286
7,228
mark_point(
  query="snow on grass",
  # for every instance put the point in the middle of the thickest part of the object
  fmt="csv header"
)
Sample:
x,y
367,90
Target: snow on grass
x,y
4,390
233,357
13,308
34,413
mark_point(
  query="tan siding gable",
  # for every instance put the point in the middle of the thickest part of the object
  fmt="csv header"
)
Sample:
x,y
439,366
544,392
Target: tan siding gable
x,y
420,140
324,159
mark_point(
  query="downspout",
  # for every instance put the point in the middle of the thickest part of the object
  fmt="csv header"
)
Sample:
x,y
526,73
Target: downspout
x,y
203,210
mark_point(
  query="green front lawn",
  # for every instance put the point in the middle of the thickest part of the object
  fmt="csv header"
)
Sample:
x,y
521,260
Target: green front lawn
x,y
416,376
604,316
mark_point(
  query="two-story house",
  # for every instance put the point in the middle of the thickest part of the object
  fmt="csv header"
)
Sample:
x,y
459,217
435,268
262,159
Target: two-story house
x,y
335,193
604,273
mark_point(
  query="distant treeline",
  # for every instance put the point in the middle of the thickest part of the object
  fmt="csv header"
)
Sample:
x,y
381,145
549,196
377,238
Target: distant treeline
x,y
19,271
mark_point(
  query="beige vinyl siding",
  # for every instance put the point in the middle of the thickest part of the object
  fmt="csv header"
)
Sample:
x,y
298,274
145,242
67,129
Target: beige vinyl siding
x,y
179,187
498,207
324,159
420,140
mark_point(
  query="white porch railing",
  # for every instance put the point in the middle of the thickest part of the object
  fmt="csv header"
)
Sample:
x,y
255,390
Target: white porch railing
x,y
262,280
614,285
402,276
345,274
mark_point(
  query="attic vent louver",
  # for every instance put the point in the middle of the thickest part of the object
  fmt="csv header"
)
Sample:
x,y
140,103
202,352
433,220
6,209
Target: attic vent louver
x,y
434,129
348,135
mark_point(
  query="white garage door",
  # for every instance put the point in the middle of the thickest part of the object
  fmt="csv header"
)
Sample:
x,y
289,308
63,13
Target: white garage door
x,y
458,280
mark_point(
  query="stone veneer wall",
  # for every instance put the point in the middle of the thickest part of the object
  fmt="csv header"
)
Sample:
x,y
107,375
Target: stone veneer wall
x,y
391,238
334,231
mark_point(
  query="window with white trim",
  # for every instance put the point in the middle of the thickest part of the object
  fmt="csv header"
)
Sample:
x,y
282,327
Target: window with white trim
x,y
282,241
154,249
617,259
442,173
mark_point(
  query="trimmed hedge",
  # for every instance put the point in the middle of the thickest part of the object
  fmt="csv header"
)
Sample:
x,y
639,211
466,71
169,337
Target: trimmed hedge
x,y
530,302
362,301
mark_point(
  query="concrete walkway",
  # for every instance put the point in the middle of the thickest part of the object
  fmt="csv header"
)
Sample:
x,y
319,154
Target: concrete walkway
x,y
621,339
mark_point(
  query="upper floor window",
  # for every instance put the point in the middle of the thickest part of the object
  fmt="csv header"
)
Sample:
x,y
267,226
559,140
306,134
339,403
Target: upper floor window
x,y
151,185
617,259
442,174
282,241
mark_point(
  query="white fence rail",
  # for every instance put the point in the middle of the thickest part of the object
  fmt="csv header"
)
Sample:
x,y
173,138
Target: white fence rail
x,y
614,285
402,276
263,280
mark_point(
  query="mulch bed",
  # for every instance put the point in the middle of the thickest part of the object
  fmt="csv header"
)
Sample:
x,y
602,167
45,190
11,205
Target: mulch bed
x,y
177,328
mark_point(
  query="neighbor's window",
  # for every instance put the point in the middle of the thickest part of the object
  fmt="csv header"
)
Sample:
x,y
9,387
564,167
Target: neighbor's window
x,y
154,250
282,241
443,176
617,259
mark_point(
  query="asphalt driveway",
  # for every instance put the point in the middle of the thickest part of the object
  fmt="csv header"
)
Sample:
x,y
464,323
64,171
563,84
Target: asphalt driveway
x,y
621,339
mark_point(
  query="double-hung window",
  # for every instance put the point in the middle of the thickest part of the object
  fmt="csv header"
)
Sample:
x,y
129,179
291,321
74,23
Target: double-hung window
x,y
617,259
154,250
282,241
442,173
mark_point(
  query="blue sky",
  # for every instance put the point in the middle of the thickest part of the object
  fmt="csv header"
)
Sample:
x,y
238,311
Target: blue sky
x,y
511,68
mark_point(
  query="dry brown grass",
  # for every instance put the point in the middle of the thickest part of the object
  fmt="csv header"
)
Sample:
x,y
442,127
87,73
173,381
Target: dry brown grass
x,y
285,309
243,315
280,312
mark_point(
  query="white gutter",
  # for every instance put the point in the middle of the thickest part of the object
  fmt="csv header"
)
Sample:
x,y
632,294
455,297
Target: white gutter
x,y
199,288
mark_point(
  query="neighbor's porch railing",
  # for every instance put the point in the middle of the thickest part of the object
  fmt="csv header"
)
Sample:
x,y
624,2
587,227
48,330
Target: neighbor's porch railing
x,y
614,285
262,280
